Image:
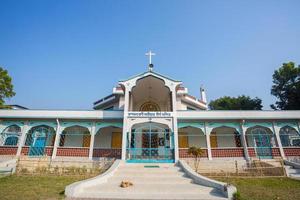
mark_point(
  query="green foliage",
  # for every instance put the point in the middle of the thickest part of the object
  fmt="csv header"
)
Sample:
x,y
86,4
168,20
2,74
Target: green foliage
x,y
196,152
286,87
265,188
237,196
6,87
236,103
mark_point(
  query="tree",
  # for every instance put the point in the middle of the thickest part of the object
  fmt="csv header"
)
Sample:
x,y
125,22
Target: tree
x,y
6,87
286,87
236,103
196,152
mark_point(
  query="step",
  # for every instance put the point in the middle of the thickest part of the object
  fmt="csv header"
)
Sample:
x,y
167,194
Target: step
x,y
146,175
155,188
294,170
191,196
150,180
5,169
135,169
151,172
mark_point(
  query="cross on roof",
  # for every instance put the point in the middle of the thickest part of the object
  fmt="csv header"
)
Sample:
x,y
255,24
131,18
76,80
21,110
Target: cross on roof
x,y
150,54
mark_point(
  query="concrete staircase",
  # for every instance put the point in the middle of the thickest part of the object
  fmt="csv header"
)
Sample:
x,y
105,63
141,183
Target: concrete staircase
x,y
150,181
292,172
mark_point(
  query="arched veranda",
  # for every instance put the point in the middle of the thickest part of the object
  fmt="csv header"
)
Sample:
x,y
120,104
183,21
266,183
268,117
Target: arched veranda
x,y
189,136
74,141
9,140
39,141
261,142
108,142
225,141
290,140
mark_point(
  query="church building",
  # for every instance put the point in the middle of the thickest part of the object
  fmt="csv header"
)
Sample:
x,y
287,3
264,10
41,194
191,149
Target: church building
x,y
150,118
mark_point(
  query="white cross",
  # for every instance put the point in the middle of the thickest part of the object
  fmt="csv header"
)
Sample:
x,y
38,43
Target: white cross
x,y
150,54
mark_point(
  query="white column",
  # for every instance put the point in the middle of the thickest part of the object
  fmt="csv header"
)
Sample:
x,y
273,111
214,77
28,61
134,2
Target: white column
x,y
276,130
124,136
207,135
57,139
244,142
175,127
23,137
93,132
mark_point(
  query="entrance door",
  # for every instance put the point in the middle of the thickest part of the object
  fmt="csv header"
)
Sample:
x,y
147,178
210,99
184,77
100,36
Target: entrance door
x,y
150,143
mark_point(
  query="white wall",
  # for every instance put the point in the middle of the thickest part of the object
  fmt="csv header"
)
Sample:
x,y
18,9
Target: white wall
x,y
104,136
225,137
73,140
195,136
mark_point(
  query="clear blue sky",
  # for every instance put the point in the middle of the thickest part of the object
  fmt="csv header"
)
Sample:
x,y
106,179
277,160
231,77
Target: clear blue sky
x,y
67,54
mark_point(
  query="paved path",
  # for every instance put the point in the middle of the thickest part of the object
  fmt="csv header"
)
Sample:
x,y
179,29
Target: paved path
x,y
165,182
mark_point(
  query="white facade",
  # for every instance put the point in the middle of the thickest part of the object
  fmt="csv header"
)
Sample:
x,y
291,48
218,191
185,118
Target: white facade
x,y
166,116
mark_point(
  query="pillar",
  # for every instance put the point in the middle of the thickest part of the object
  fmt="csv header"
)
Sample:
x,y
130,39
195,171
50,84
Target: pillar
x,y
124,135
23,137
93,132
276,130
175,124
207,135
244,141
57,139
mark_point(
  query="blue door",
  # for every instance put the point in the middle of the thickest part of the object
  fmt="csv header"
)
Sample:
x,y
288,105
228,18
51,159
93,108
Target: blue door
x,y
150,143
38,147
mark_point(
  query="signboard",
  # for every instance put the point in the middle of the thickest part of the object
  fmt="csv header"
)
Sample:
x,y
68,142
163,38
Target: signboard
x,y
150,114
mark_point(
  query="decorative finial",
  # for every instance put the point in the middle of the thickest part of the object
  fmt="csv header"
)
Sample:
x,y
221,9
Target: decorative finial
x,y
150,54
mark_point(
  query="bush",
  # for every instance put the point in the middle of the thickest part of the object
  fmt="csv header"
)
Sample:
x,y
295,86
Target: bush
x,y
237,196
196,152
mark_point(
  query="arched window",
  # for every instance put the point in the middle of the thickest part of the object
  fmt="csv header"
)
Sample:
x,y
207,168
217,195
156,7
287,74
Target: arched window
x,y
149,106
10,135
289,137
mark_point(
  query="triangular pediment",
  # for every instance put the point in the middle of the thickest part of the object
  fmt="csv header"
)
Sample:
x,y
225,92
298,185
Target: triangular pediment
x,y
150,73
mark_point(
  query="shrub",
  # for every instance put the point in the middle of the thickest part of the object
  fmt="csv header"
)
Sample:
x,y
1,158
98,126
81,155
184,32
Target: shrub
x,y
196,152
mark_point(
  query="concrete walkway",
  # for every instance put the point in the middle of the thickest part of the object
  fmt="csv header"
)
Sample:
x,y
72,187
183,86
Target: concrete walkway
x,y
150,181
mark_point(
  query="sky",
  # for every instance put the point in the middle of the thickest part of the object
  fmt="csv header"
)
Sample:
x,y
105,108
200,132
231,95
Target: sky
x,y
66,54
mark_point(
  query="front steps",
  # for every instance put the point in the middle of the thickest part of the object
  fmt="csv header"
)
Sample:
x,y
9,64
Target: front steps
x,y
292,172
150,183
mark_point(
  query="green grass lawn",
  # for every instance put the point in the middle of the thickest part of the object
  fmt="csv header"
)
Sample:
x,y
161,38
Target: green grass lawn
x,y
266,188
51,187
34,187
